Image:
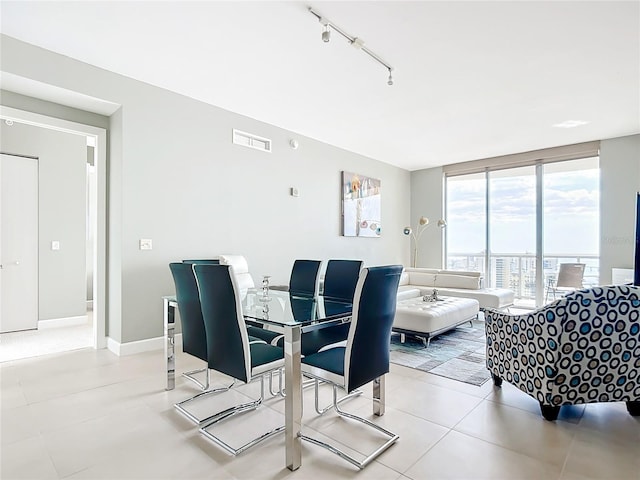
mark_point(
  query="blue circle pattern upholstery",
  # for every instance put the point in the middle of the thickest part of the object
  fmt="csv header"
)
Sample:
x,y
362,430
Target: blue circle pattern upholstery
x,y
582,348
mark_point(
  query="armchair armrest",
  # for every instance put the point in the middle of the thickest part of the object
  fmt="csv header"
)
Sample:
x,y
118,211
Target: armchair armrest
x,y
523,349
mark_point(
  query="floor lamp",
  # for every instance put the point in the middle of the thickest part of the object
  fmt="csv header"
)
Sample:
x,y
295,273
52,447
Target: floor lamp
x,y
423,223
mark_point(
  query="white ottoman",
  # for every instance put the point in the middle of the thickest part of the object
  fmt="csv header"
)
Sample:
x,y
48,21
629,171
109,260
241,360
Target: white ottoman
x,y
427,319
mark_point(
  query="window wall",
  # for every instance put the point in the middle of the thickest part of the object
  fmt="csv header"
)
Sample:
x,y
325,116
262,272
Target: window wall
x,y
517,225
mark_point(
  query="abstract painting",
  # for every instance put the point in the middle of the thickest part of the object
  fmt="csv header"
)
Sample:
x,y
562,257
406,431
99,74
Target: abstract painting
x,y
361,205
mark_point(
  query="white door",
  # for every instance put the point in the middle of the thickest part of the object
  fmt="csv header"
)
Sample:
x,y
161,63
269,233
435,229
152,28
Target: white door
x,y
18,243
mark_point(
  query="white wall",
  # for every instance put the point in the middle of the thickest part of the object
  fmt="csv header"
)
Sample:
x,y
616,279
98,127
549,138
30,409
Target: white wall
x,y
620,180
62,216
176,178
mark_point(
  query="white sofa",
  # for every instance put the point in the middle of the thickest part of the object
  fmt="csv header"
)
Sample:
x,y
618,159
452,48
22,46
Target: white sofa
x,y
421,281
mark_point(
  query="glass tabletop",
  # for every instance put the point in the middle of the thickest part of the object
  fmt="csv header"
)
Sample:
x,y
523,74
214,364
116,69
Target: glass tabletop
x,y
286,309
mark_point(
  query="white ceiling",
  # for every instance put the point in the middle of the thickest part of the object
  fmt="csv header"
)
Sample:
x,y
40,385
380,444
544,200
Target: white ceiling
x,y
471,79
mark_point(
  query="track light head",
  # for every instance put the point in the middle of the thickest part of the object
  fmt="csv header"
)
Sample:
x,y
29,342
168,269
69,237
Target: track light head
x,y
326,34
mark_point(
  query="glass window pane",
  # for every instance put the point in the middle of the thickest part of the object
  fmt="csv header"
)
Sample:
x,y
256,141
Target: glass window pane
x,y
571,219
466,222
512,230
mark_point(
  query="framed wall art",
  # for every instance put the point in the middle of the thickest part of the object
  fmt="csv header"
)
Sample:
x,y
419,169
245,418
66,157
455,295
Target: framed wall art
x,y
361,205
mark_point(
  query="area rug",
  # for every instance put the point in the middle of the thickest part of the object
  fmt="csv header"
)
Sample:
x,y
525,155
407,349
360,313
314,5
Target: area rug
x,y
458,354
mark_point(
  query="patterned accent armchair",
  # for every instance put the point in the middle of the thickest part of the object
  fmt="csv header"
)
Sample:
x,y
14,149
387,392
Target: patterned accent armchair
x,y
582,348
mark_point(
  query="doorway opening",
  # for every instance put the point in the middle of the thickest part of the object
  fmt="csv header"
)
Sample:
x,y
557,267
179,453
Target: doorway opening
x,y
81,331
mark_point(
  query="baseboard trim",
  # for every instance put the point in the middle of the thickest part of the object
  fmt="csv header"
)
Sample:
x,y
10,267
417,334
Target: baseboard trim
x,y
140,346
62,322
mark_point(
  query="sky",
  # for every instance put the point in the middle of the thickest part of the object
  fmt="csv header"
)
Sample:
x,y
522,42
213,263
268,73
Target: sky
x,y
571,212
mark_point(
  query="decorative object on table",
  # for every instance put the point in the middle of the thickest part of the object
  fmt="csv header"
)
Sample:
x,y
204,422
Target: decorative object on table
x,y
423,223
432,298
361,206
582,348
265,298
458,354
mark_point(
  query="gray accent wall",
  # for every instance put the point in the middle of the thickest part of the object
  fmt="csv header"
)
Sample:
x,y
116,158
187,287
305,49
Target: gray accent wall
x,y
176,178
61,217
620,180
427,199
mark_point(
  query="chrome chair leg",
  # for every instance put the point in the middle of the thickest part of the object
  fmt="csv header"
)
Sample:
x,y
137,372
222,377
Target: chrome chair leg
x,y
229,412
369,458
322,411
189,376
180,405
280,391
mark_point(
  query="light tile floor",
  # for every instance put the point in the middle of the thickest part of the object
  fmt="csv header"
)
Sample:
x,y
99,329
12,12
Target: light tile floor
x,y
43,341
89,414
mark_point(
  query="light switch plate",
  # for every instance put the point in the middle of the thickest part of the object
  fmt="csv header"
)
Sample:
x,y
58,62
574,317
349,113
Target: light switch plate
x,y
55,245
295,192
146,244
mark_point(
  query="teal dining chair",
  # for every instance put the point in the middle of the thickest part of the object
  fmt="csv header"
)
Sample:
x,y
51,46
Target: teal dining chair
x,y
365,357
229,348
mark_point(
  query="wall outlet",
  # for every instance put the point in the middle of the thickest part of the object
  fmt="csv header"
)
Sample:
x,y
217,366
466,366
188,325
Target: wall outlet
x,y
55,245
146,244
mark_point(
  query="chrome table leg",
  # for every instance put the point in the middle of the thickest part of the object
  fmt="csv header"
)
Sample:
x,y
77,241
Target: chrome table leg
x,y
169,345
379,395
293,397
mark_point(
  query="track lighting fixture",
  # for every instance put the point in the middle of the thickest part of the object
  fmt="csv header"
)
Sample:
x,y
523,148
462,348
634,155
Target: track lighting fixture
x,y
354,41
326,34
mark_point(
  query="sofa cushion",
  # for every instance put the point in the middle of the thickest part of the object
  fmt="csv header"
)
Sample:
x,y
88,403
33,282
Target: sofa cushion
x,y
408,291
461,272
404,278
488,297
457,281
422,279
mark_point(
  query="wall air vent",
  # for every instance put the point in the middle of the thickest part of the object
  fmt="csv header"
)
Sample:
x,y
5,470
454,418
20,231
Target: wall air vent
x,y
252,141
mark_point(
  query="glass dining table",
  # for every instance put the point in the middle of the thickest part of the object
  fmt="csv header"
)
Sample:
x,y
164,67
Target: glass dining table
x,y
293,315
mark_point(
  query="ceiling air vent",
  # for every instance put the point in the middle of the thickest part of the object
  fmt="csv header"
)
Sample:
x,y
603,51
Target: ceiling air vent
x,y
252,141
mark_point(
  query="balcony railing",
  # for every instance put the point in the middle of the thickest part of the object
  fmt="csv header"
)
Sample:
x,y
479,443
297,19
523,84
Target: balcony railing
x,y
517,271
